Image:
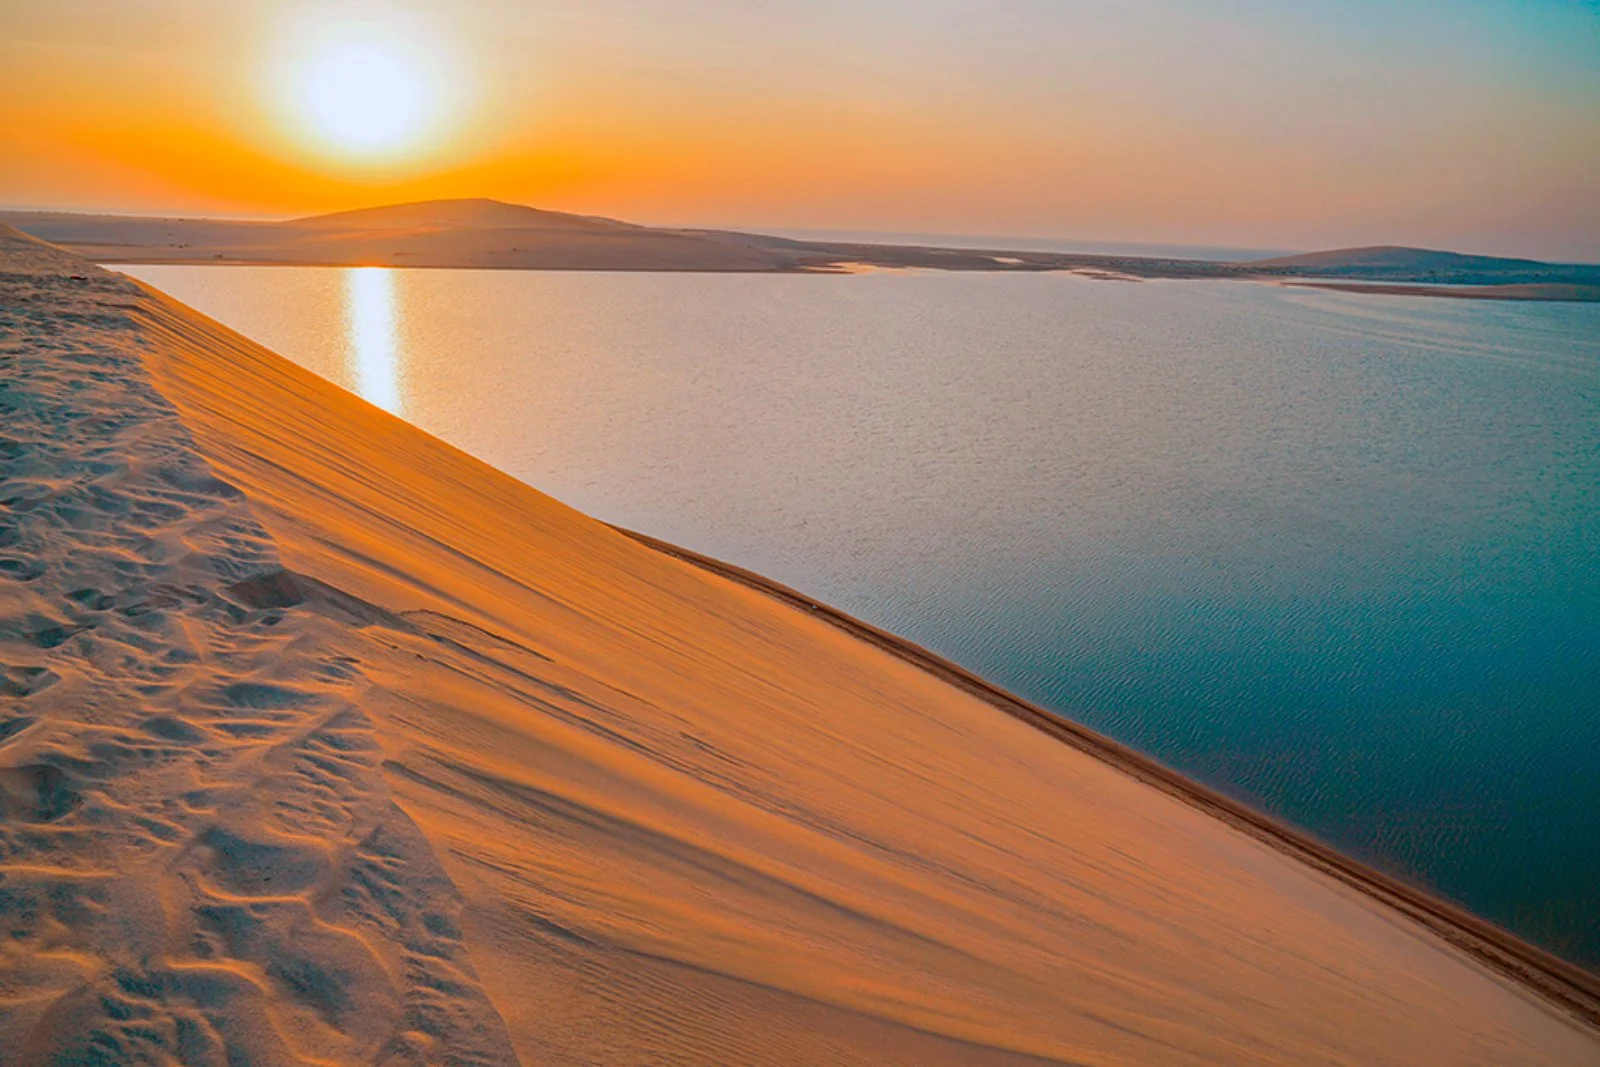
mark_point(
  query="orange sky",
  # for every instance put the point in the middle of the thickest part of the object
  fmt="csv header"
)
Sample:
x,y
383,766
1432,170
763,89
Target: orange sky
x,y
1470,125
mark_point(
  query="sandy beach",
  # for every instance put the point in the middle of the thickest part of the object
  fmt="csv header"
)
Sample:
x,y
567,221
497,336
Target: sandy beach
x,y
322,741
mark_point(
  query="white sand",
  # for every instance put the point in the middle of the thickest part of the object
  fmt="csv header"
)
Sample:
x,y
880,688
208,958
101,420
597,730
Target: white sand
x,y
323,742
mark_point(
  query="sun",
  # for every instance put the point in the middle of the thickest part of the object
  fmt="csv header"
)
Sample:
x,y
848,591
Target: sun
x,y
362,92
364,96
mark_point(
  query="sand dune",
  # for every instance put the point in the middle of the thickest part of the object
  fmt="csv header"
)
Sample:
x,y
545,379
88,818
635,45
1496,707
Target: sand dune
x,y
473,214
484,234
1399,259
324,742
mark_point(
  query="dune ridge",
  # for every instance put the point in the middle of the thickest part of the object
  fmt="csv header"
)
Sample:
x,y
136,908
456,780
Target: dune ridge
x,y
200,853
324,742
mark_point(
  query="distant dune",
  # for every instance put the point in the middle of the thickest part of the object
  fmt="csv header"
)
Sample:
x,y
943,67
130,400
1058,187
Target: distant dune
x,y
1398,258
489,234
444,233
323,742
477,214
1428,272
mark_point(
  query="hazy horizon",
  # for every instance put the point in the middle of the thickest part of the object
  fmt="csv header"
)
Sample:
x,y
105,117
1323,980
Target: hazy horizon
x,y
1029,242
1020,242
1245,124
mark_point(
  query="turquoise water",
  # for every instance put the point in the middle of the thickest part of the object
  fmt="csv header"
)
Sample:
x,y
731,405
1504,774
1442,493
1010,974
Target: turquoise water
x,y
1337,555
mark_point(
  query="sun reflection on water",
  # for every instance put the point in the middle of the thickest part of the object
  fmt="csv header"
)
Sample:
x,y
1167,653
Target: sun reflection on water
x,y
373,344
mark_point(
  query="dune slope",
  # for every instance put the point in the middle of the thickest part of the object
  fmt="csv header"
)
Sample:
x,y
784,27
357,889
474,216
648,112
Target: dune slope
x,y
324,742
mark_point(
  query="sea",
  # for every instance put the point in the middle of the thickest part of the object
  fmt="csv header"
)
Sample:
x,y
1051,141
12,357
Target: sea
x,y
1336,555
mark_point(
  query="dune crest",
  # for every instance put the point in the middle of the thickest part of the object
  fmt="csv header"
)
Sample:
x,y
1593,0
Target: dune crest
x,y
324,742
476,214
201,852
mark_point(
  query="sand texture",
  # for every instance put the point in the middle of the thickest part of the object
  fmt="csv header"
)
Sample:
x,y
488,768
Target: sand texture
x,y
321,741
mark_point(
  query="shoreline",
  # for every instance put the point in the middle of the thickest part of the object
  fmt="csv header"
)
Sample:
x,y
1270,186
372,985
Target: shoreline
x,y
491,235
1539,293
1560,982
1533,292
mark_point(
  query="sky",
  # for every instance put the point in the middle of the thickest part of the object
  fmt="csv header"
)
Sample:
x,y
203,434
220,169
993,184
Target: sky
x,y
1472,125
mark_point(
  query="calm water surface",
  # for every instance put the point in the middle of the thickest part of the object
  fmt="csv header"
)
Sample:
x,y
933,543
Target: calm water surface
x,y
1339,555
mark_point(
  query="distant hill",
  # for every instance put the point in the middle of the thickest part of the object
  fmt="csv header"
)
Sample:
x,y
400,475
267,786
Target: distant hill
x,y
480,233
1393,263
1396,257
475,214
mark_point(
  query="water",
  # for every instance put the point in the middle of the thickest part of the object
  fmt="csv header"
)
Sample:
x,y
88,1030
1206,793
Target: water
x,y
1338,555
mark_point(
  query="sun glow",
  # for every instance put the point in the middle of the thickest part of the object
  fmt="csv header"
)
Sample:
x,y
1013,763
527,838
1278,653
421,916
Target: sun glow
x,y
365,92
